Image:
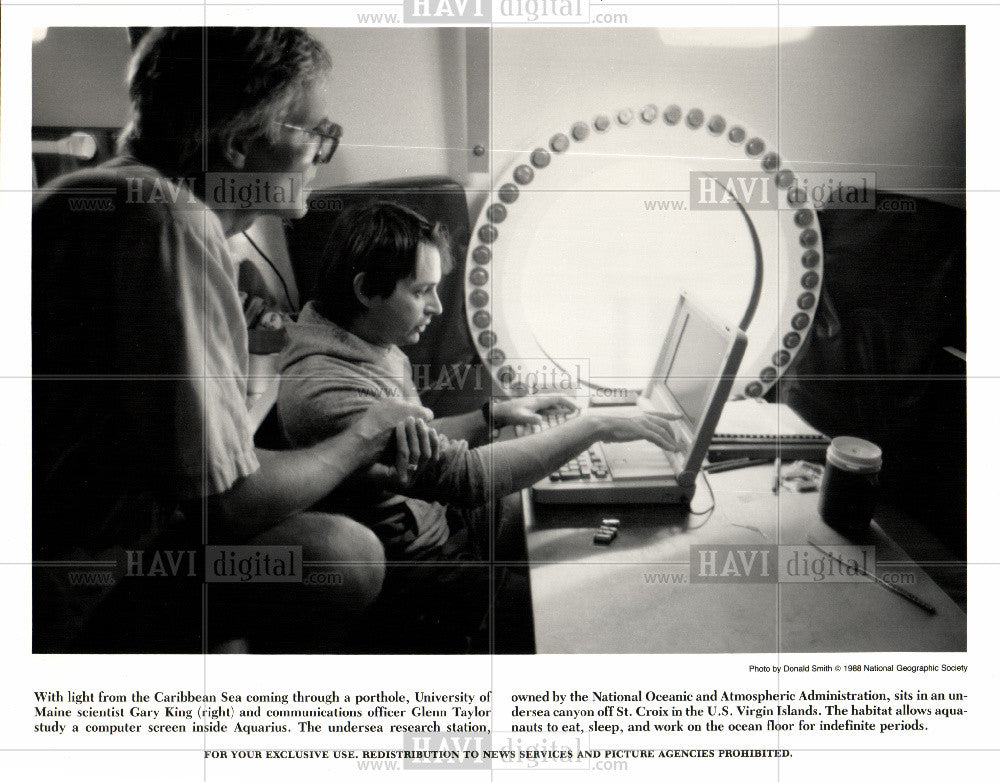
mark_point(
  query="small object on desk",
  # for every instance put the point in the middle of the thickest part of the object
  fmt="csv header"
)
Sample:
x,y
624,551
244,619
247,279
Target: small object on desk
x,y
733,464
607,532
881,582
616,397
604,536
776,483
802,476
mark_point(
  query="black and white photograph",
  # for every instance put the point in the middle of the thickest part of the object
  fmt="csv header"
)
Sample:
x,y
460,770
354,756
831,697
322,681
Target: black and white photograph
x,y
252,294
510,389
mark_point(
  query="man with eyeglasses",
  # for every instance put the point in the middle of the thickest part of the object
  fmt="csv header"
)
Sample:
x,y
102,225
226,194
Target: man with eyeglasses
x,y
142,449
327,132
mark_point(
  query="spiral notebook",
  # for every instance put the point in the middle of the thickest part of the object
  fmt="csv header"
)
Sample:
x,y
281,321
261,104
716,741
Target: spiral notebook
x,y
758,430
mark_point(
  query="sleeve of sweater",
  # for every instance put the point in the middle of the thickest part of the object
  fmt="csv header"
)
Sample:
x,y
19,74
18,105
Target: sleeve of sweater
x,y
315,401
468,477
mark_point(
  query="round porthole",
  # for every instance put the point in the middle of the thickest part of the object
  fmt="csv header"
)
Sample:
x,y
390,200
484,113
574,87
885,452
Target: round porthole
x,y
604,222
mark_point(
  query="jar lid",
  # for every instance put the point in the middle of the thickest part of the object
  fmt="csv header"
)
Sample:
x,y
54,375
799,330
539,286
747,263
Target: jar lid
x,y
854,455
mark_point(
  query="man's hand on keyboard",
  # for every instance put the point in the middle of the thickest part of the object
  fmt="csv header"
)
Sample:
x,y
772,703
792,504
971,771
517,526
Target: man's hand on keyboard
x,y
526,409
650,425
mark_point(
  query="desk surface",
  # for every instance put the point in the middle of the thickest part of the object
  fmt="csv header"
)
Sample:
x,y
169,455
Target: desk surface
x,y
637,596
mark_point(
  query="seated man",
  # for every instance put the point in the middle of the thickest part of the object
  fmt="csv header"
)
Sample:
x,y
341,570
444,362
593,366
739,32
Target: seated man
x,y
378,290
142,447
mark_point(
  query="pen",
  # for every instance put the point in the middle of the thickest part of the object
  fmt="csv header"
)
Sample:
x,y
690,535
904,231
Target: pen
x,y
881,582
777,476
734,464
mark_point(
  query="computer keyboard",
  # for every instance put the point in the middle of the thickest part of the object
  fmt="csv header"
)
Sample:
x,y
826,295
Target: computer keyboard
x,y
591,465
608,473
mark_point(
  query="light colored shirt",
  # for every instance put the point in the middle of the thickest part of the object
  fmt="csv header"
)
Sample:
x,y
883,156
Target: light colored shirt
x,y
139,360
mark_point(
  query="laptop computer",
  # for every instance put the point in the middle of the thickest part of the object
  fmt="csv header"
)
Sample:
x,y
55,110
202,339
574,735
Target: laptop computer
x,y
692,377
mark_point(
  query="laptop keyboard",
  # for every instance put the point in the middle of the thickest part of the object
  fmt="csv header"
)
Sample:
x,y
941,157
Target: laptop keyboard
x,y
590,465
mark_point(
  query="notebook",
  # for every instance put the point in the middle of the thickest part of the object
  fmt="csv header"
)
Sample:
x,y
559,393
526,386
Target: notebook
x,y
755,429
692,377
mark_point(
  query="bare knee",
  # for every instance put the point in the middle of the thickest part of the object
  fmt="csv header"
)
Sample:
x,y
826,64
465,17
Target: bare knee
x,y
337,552
351,549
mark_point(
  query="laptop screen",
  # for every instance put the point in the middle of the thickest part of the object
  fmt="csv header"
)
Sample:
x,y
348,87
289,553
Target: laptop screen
x,y
693,371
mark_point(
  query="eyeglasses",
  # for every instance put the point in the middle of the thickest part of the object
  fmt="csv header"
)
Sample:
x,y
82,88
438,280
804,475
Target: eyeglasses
x,y
329,133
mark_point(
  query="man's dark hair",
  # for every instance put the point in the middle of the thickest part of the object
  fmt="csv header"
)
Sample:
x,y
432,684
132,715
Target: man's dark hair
x,y
381,240
196,89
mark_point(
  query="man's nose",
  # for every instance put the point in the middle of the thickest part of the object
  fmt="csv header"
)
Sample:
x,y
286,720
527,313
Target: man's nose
x,y
434,306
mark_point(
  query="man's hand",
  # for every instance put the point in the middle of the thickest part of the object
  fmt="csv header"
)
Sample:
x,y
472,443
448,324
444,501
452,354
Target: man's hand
x,y
417,445
381,419
289,481
650,425
525,409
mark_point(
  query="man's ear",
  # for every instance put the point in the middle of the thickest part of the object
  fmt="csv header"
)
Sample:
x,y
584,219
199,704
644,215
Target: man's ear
x,y
358,284
235,153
